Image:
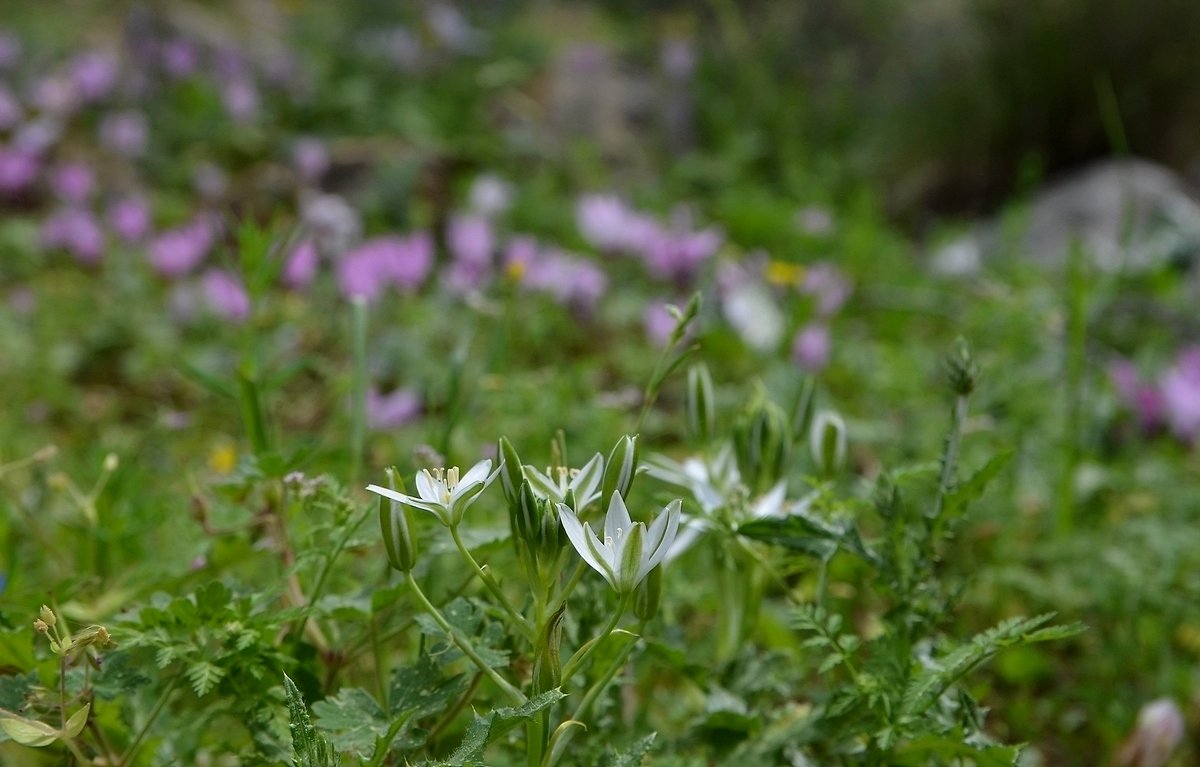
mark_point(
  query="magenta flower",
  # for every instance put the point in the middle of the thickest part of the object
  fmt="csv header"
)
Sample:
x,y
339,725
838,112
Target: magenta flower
x,y
301,266
829,285
658,323
180,57
18,169
469,240
402,261
391,411
1180,389
176,252
240,97
678,254
72,182
1142,398
125,133
810,348
226,296
75,231
129,217
603,220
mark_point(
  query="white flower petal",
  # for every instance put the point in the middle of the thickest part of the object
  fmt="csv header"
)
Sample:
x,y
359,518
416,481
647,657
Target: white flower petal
x,y
672,512
617,519
771,504
543,485
427,487
579,539
587,481
477,474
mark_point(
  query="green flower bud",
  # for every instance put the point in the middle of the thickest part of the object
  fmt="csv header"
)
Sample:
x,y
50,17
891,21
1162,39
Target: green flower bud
x,y
827,441
648,595
701,409
551,537
527,515
397,526
511,474
762,438
962,371
547,662
621,469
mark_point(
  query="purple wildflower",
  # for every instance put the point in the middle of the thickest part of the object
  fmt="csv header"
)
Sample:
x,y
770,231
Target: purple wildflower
x,y
240,97
469,239
210,181
129,217
829,285
1180,388
75,231
94,75
391,411
125,133
226,296
18,169
603,221
72,182
10,108
180,57
178,251
570,280
1142,398
678,253
37,136
334,224
301,266
55,95
810,348
310,159
658,322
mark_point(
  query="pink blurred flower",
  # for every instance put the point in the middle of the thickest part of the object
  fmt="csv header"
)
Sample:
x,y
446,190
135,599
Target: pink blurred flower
x,y
55,95
176,252
18,169
658,323
469,239
829,285
125,133
676,254
603,220
810,348
72,182
391,411
226,296
1180,389
571,280
360,273
1158,732
240,97
75,231
129,217
180,57
301,266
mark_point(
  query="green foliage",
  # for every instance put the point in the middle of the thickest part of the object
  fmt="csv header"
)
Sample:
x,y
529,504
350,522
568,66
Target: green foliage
x,y
311,747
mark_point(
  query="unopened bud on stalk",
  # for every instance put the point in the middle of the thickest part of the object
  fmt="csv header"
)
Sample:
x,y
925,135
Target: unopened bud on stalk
x,y
762,438
111,462
621,469
701,408
527,515
827,441
547,661
40,626
511,473
47,616
550,538
396,524
961,369
648,595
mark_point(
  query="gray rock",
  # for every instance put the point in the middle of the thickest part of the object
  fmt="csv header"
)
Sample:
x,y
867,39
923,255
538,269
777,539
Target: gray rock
x,y
1127,214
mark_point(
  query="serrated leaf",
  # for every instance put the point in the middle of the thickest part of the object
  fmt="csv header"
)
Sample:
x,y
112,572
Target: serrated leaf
x,y
311,748
973,488
204,676
484,729
632,756
923,751
421,690
28,732
353,720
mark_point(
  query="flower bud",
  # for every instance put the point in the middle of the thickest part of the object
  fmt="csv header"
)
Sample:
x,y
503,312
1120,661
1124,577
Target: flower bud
x,y
550,537
1159,730
827,441
763,440
527,514
621,468
397,526
648,595
47,616
547,661
701,410
40,626
511,473
962,371
111,462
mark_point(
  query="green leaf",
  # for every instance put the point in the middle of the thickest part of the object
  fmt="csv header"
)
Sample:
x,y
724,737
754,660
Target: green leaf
x,y
28,732
422,691
312,749
923,751
497,722
204,676
632,756
353,720
973,488
75,724
465,616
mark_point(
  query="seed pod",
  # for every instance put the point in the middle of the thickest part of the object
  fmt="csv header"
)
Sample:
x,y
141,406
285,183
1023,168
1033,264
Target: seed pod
x,y
762,438
397,526
621,468
701,410
527,515
511,474
551,537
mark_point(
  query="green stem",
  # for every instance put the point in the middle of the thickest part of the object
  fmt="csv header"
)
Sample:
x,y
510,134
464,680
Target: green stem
x,y
518,620
464,645
252,410
583,653
572,583
358,405
161,703
950,456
